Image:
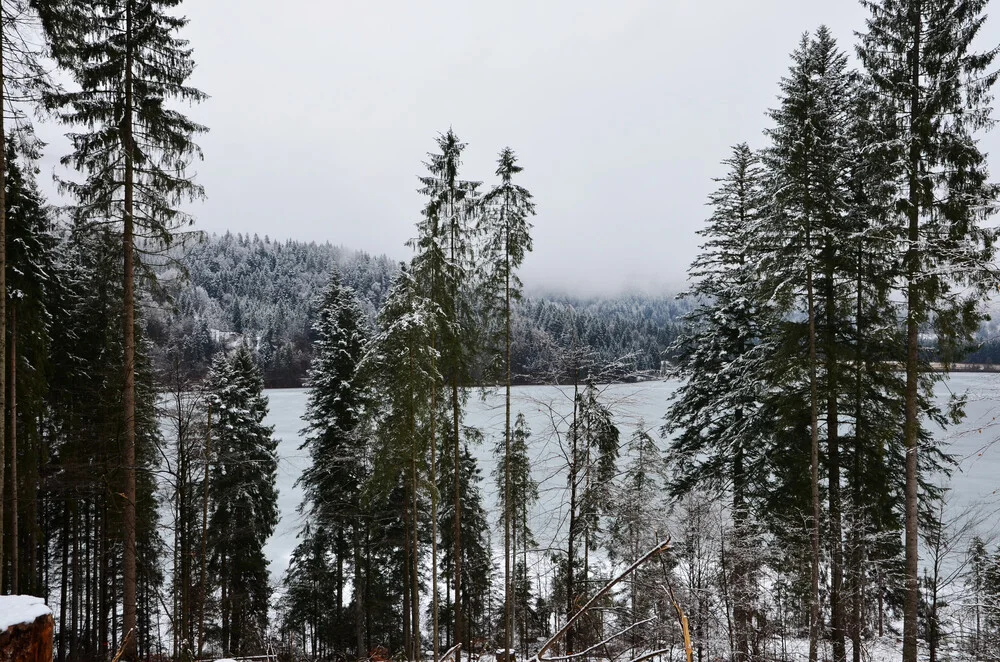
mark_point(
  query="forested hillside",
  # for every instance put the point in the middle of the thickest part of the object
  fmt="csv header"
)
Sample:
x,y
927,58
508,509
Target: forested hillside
x,y
265,291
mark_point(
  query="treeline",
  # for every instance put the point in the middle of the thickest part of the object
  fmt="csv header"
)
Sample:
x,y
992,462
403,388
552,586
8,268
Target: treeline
x,y
234,286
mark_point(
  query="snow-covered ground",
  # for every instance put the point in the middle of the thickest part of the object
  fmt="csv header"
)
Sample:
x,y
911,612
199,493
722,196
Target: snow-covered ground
x,y
974,443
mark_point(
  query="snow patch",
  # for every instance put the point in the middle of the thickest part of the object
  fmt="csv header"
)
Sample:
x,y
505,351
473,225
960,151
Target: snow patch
x,y
21,609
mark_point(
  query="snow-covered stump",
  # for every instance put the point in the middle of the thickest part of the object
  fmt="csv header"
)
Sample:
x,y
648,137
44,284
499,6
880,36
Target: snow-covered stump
x,y
26,629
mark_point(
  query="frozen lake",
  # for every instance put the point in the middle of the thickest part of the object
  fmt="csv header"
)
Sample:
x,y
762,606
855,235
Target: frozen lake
x,y
976,480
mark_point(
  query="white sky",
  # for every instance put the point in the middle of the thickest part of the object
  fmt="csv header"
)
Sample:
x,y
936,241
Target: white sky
x,y
321,113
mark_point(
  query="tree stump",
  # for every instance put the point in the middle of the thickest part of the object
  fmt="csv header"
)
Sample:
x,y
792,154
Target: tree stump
x,y
26,629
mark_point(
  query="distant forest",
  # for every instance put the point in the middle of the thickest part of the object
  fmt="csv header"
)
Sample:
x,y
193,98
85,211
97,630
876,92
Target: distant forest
x,y
245,288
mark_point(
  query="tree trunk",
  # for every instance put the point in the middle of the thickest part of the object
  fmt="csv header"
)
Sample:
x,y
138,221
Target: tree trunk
x,y
12,433
203,579
433,481
911,598
359,597
128,397
3,274
833,468
64,581
740,590
415,572
508,634
459,623
814,624
571,551
857,514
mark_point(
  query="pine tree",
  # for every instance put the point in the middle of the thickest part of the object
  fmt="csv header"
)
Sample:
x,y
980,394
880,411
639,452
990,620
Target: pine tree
x,y
808,164
443,269
128,62
243,481
517,492
594,439
507,207
920,59
402,367
30,271
718,435
22,79
335,438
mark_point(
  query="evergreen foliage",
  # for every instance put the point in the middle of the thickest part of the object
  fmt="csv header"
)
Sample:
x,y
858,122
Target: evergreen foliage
x,y
242,485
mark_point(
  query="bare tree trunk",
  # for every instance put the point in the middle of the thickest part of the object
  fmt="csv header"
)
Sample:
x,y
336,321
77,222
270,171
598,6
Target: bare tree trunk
x,y
3,272
912,589
203,579
508,616
833,469
14,564
814,624
571,551
128,398
359,598
435,627
64,580
415,573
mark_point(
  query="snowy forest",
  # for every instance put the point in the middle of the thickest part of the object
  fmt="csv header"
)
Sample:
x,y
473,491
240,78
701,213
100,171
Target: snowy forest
x,y
786,498
237,287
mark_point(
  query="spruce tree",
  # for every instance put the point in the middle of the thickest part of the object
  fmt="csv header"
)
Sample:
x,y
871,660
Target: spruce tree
x,y
508,239
635,521
919,56
443,268
719,437
334,436
808,164
30,273
402,367
243,488
127,62
517,492
23,78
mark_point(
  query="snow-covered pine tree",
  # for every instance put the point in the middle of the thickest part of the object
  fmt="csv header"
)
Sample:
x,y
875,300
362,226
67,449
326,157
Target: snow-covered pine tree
x,y
919,55
443,267
517,492
808,163
127,63
336,441
22,79
243,488
504,222
402,367
718,438
30,257
477,555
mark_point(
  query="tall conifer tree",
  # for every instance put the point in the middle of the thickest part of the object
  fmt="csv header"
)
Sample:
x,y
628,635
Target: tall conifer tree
x,y
719,437
335,438
243,487
127,62
443,268
936,88
508,239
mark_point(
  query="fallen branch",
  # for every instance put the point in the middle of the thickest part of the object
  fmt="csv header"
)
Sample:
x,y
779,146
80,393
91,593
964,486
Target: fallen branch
x,y
660,547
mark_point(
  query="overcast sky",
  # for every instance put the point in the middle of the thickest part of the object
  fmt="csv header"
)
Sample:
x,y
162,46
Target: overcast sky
x,y
321,114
